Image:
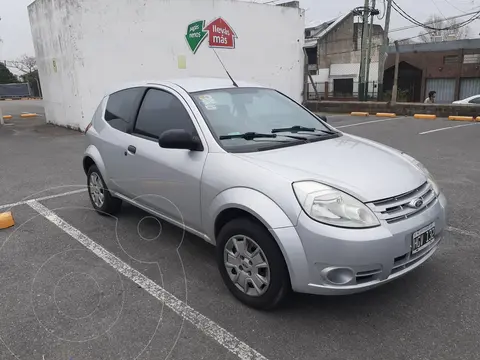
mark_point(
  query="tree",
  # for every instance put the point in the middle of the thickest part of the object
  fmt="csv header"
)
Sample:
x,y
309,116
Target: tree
x,y
453,33
25,64
6,76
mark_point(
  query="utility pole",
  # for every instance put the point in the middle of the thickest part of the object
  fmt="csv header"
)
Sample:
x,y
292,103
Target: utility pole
x,y
395,76
361,75
383,51
369,51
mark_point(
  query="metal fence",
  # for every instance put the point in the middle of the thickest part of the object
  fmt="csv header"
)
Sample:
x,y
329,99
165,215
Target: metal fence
x,y
341,89
12,91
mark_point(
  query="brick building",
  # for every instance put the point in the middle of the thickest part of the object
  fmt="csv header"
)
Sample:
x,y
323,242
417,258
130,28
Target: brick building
x,y
451,68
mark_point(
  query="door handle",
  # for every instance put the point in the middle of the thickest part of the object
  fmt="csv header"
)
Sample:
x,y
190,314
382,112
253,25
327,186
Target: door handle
x,y
132,149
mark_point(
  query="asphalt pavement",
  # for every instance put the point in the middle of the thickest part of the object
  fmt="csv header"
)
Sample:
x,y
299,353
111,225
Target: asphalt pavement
x,y
76,285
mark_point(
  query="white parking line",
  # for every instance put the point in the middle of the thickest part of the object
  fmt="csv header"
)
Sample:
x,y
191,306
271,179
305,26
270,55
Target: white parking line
x,y
204,324
369,122
446,128
7,206
463,232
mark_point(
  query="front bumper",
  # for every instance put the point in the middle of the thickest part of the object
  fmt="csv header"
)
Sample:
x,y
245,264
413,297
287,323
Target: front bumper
x,y
371,256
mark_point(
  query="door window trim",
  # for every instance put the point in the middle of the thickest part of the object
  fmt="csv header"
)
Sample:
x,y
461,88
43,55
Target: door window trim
x,y
185,105
133,112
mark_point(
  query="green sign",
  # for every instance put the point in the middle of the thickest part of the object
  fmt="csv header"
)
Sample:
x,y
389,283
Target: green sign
x,y
196,35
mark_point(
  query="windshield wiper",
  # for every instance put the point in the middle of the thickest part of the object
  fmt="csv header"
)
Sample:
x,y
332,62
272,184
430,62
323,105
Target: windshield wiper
x,y
298,128
255,135
248,136
293,129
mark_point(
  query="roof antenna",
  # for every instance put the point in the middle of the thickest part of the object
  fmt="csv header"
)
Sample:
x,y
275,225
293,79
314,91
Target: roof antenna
x,y
224,68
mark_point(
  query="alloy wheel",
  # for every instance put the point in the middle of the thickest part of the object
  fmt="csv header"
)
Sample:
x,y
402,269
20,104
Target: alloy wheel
x,y
97,192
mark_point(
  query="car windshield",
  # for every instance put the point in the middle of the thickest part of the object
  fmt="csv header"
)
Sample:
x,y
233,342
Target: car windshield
x,y
244,119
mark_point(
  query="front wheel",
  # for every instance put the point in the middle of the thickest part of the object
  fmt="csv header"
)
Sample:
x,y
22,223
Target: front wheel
x,y
102,201
251,264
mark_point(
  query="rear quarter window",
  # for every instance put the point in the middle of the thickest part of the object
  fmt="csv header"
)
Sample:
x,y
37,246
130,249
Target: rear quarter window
x,y
121,108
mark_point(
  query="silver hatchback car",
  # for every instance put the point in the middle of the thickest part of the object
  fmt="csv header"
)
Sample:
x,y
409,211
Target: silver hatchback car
x,y
290,202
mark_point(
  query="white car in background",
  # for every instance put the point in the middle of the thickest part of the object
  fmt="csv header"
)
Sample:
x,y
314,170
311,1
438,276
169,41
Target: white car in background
x,y
475,99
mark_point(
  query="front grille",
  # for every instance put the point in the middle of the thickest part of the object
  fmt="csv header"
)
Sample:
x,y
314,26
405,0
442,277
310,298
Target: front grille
x,y
397,208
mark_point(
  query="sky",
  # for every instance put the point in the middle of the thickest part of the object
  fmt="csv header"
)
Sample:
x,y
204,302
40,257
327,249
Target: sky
x,y
16,36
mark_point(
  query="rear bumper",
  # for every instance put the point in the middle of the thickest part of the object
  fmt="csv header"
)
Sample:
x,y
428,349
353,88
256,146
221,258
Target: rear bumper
x,y
366,258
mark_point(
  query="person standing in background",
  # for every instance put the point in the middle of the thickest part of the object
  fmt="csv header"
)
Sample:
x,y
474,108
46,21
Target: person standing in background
x,y
431,97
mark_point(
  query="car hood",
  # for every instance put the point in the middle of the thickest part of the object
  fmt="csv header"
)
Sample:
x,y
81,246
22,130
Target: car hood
x,y
363,168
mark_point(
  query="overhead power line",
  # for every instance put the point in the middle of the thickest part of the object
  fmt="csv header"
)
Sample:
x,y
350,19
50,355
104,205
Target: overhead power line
x,y
414,21
454,6
432,22
435,4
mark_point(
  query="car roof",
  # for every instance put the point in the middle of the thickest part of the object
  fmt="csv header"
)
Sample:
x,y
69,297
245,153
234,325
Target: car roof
x,y
189,84
471,97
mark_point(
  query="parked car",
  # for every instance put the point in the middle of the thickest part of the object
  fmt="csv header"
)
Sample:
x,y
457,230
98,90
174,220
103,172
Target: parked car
x,y
475,99
289,201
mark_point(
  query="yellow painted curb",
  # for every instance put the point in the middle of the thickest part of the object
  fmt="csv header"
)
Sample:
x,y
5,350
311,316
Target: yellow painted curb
x,y
461,118
7,116
6,220
425,116
359,113
28,115
478,118
392,115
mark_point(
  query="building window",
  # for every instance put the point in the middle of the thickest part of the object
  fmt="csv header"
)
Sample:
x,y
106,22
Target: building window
x,y
471,59
450,59
312,55
342,87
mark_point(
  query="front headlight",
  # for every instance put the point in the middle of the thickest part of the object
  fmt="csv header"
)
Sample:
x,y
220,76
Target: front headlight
x,y
425,171
333,207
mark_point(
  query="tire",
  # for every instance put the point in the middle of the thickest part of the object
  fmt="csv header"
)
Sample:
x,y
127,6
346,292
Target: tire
x,y
279,281
110,205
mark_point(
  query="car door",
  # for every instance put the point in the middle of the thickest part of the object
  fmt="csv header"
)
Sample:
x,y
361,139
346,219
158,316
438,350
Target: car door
x,y
166,180
120,111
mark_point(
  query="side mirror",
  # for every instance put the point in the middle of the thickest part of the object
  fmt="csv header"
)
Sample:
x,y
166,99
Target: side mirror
x,y
179,139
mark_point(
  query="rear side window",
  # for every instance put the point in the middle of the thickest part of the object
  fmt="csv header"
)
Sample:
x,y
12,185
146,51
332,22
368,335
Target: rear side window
x,y
121,106
162,111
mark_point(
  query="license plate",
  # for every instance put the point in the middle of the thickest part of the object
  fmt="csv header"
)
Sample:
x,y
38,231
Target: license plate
x,y
422,238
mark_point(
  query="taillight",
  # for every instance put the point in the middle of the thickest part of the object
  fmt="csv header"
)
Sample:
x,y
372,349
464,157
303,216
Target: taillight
x,y
88,127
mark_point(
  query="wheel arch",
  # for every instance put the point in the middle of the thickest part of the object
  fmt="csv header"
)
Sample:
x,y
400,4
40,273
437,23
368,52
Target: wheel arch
x,y
92,157
255,205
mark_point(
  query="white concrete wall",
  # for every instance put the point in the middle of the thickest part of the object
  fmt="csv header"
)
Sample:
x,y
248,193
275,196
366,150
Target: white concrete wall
x,y
98,44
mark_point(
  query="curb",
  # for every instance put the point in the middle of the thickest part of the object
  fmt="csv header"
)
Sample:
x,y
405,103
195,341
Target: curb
x,y
359,113
7,116
28,115
391,115
425,116
25,98
6,220
462,118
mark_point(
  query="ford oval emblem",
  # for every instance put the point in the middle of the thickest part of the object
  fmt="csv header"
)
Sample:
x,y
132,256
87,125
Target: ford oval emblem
x,y
416,203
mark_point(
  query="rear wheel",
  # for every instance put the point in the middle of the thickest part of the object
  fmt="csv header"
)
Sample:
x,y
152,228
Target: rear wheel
x,y
251,264
100,197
